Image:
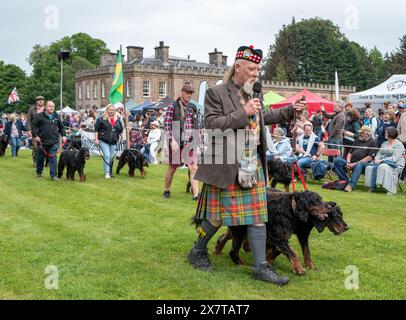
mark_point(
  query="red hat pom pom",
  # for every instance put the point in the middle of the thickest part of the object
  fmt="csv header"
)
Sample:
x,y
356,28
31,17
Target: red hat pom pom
x,y
251,47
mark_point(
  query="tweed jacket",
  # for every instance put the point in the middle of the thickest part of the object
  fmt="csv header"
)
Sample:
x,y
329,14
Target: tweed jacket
x,y
224,115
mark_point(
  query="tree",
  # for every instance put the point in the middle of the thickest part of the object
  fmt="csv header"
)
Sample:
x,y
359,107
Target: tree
x,y
312,50
85,53
12,76
395,63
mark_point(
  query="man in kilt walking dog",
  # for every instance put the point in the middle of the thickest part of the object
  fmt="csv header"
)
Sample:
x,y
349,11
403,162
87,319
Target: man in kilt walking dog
x,y
234,190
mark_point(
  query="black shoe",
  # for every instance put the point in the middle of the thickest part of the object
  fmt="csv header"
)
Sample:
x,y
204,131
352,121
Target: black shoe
x,y
196,198
200,259
266,273
166,194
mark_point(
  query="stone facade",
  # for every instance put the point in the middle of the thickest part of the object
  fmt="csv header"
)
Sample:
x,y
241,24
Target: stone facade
x,y
154,78
163,75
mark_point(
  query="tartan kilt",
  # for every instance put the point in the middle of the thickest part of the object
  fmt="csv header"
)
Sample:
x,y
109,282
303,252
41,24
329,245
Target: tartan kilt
x,y
234,206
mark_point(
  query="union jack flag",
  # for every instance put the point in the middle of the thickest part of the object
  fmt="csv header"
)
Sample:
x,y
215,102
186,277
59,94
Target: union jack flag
x,y
13,98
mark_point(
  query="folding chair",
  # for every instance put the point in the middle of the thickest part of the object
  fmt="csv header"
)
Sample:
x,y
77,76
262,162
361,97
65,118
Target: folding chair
x,y
335,153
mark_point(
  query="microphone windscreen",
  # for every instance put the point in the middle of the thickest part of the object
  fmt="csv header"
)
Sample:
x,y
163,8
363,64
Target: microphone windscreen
x,y
257,87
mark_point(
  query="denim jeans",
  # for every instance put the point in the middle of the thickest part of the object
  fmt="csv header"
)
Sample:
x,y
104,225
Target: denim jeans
x,y
339,168
108,152
51,150
304,163
15,145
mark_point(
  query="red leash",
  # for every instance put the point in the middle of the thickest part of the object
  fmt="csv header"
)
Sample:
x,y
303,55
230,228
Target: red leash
x,y
51,155
295,165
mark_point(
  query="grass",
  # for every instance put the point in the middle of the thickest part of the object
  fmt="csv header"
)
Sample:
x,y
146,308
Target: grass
x,y
118,239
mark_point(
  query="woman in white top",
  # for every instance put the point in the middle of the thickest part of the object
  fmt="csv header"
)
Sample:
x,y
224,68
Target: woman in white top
x,y
153,139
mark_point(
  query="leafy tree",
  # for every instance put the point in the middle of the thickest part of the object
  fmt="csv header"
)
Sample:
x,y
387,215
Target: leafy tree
x,y
311,50
395,63
85,53
12,76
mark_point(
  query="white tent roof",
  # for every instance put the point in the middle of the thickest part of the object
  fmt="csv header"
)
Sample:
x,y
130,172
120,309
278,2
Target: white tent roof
x,y
68,110
393,90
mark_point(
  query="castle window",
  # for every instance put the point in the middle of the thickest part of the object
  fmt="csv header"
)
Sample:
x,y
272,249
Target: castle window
x,y
88,91
95,88
162,89
128,88
146,88
103,90
79,92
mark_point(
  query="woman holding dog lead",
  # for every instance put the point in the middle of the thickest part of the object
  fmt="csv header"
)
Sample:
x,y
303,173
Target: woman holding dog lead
x,y
108,131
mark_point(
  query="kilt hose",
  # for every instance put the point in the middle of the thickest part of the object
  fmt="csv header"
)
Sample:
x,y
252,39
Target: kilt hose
x,y
234,206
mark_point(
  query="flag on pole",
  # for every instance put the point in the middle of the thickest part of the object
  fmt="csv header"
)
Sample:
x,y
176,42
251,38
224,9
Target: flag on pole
x,y
13,97
337,88
116,92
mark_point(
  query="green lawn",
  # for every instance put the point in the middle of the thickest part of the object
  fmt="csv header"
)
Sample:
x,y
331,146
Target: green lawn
x,y
118,239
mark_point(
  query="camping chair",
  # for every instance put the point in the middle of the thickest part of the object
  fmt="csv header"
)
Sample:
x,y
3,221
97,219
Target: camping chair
x,y
331,153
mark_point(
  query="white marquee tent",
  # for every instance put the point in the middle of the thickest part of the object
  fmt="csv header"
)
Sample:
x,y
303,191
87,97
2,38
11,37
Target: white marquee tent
x,y
393,90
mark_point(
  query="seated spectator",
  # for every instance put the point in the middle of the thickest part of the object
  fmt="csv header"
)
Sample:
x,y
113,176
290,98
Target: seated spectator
x,y
388,121
357,158
388,164
308,148
280,148
351,130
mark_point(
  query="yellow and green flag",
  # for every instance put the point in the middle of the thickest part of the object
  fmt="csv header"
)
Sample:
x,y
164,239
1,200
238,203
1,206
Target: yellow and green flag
x,y
116,92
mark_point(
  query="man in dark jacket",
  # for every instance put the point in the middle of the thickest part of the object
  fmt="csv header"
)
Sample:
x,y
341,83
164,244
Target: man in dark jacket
x,y
234,173
32,112
46,128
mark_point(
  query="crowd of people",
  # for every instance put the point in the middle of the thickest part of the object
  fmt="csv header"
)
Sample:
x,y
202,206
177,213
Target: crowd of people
x,y
369,142
233,193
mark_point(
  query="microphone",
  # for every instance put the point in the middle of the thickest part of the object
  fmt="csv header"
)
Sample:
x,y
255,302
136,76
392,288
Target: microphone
x,y
257,89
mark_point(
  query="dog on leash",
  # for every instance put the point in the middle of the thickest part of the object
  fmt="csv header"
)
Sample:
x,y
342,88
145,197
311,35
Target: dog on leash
x,y
289,213
73,160
135,160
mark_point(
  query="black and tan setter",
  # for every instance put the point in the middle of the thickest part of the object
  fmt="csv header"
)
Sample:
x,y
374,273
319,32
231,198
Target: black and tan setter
x,y
73,160
135,160
289,213
279,172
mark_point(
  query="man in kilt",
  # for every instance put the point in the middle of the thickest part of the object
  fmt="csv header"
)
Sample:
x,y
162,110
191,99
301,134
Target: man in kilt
x,y
234,189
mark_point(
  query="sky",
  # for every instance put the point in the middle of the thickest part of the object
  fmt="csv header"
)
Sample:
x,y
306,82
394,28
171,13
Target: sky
x,y
193,27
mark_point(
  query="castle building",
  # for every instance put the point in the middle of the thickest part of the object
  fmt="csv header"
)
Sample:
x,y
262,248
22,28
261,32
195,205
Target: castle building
x,y
154,78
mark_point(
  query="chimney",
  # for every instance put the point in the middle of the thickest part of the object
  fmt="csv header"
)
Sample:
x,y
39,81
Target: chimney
x,y
109,59
135,53
162,53
216,58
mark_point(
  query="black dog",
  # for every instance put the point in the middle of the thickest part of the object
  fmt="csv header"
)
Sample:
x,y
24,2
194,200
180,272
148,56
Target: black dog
x,y
279,172
135,160
289,213
3,144
73,160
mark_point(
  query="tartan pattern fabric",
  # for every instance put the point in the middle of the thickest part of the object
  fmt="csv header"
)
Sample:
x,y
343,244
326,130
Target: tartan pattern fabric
x,y
234,206
168,122
187,127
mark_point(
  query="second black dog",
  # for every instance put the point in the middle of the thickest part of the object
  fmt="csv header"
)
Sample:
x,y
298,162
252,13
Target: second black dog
x,y
73,161
135,160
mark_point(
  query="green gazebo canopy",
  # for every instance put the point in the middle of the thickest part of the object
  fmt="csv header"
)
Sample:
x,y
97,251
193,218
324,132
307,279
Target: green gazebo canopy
x,y
272,97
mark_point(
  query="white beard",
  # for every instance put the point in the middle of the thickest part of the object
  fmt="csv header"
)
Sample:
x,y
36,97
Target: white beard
x,y
247,88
